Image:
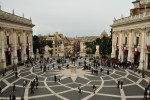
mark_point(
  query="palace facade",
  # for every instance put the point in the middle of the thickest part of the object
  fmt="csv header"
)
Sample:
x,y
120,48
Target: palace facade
x,y
131,36
15,39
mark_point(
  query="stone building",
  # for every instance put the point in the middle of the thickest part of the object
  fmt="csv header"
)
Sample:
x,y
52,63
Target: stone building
x,y
131,36
15,39
60,44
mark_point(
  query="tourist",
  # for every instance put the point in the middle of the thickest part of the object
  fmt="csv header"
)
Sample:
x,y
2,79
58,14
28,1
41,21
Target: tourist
x,y
24,83
22,98
94,89
108,72
121,83
16,73
55,78
36,84
79,88
14,87
53,66
41,67
118,84
36,78
145,93
14,97
10,97
101,69
0,89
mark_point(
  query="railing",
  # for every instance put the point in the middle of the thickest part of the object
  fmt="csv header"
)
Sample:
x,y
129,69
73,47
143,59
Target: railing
x,y
130,19
14,18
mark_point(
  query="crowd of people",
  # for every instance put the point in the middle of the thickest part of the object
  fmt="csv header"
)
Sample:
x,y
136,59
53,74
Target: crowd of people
x,y
92,65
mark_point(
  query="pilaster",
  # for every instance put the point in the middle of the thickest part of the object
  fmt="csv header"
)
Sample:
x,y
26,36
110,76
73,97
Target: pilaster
x,y
130,51
142,55
113,46
3,59
120,47
15,59
24,46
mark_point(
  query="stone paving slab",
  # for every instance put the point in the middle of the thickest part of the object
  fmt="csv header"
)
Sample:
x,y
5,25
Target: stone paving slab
x,y
95,83
115,76
133,78
120,73
12,79
99,97
106,78
110,90
81,80
66,80
52,83
126,81
133,90
2,84
47,98
39,91
73,85
143,83
59,89
19,92
74,95
110,83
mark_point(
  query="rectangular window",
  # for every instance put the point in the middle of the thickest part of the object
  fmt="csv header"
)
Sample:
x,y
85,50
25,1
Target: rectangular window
x,y
117,39
137,40
19,40
7,39
125,40
27,40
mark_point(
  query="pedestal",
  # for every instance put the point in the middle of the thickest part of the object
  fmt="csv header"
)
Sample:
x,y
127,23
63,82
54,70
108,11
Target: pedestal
x,y
82,54
15,60
61,54
73,69
97,54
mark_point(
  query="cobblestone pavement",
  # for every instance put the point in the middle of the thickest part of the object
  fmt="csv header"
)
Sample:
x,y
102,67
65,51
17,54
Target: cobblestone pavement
x,y
66,89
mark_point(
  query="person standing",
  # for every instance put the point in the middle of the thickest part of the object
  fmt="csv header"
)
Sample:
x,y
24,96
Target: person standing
x,y
14,87
118,83
36,84
94,89
14,97
16,73
121,83
41,67
55,78
0,89
79,88
10,97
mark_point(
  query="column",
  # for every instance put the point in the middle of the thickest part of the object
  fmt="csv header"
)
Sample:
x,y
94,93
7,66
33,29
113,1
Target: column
x,y
120,47
24,46
142,55
53,47
3,59
113,46
15,61
31,45
130,52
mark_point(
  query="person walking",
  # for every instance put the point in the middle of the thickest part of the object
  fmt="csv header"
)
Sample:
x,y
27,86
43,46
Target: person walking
x,y
118,83
94,89
121,83
14,87
79,88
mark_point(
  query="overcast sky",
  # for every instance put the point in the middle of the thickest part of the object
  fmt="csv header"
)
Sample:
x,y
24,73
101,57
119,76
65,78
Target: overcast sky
x,y
70,17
